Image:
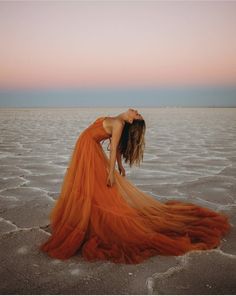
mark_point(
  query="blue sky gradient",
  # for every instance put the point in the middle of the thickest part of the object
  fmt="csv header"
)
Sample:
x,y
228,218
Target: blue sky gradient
x,y
217,96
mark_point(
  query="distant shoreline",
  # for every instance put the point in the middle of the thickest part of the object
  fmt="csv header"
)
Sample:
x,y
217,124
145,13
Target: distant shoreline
x,y
120,107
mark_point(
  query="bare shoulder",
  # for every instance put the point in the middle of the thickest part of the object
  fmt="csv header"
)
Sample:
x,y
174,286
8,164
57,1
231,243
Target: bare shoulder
x,y
118,122
116,130
115,122
112,124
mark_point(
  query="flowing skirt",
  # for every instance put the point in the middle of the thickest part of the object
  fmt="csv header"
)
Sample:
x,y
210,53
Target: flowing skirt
x,y
121,223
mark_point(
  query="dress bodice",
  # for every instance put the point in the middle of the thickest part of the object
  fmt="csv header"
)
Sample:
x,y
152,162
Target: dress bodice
x,y
97,131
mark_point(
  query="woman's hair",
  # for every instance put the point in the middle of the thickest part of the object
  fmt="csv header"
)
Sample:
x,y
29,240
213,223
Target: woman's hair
x,y
132,142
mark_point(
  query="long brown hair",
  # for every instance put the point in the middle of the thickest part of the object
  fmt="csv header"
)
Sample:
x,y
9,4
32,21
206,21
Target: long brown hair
x,y
132,142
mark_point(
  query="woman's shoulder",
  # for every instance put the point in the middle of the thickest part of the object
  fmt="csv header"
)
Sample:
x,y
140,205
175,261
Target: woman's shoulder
x,y
115,120
111,123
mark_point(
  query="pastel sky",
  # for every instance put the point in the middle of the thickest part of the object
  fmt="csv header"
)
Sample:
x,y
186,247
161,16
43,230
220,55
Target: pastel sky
x,y
67,44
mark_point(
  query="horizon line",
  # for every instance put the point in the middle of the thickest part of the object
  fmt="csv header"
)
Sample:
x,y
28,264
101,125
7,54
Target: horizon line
x,y
72,107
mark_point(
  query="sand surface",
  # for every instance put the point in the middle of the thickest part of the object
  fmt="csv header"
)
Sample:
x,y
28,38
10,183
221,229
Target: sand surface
x,y
190,155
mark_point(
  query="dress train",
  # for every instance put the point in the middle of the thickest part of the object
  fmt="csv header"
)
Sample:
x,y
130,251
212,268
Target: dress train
x,y
122,223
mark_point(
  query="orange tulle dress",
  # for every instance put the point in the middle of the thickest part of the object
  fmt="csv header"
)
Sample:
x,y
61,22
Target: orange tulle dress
x,y
121,223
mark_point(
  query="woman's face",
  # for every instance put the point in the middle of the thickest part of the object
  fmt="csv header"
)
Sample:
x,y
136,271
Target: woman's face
x,y
133,114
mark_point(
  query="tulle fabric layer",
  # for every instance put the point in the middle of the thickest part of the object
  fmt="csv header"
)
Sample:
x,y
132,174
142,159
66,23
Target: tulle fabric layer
x,y
122,224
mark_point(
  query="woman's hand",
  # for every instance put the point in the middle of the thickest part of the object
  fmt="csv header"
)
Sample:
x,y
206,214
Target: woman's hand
x,y
121,170
110,179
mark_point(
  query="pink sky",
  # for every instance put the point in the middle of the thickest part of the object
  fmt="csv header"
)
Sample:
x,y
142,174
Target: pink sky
x,y
123,43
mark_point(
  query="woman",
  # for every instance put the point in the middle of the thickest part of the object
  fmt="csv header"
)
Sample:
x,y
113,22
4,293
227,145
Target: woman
x,y
106,217
128,130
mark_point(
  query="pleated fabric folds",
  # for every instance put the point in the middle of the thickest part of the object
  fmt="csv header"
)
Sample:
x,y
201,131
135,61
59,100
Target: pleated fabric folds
x,y
121,223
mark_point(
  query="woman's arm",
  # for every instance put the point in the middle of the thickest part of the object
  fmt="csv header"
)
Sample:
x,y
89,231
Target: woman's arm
x,y
116,134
